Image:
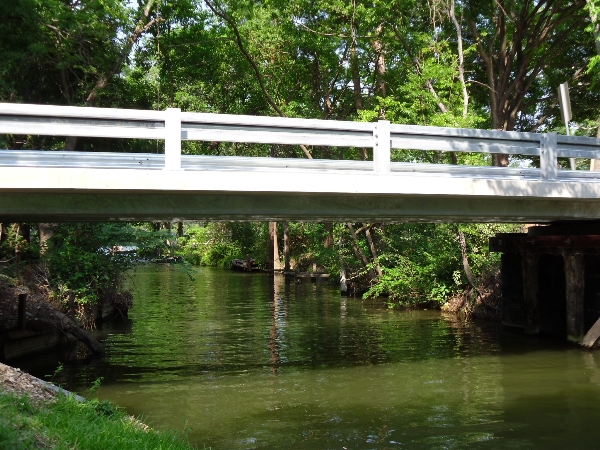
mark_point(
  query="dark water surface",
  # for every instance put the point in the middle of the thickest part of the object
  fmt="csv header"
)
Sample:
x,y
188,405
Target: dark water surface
x,y
239,363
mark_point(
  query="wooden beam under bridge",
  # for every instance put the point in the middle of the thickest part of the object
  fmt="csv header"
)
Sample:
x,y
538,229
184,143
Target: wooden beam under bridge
x,y
580,260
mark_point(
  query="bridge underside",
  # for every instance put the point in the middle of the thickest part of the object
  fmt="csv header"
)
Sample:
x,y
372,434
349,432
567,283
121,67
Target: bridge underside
x,y
83,194
61,206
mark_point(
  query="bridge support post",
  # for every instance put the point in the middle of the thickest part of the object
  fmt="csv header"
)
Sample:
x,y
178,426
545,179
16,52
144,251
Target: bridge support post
x,y
548,154
575,291
382,148
173,139
557,289
529,263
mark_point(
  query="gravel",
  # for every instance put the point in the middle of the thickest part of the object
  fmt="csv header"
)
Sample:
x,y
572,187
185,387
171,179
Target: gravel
x,y
14,380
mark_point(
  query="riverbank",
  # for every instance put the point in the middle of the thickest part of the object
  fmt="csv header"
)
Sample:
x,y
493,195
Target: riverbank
x,y
39,415
34,319
485,302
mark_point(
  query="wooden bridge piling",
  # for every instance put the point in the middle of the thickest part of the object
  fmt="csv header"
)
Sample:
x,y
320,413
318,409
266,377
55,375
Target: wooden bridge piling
x,y
529,262
575,295
557,289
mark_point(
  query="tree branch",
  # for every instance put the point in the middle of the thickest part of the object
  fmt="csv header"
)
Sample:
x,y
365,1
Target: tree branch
x,y
240,43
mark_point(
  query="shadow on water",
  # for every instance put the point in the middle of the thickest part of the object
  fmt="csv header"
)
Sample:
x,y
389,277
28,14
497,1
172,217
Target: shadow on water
x,y
243,363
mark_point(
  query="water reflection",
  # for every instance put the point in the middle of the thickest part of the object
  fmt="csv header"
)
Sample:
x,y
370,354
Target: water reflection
x,y
248,362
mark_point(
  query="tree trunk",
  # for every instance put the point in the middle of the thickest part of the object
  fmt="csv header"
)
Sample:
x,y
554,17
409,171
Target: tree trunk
x,y
519,43
25,232
286,247
328,243
220,12
465,260
380,68
70,326
343,280
45,231
358,253
274,262
575,292
354,68
461,58
373,251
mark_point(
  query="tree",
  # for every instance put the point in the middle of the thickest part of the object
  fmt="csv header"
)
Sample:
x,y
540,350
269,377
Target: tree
x,y
524,47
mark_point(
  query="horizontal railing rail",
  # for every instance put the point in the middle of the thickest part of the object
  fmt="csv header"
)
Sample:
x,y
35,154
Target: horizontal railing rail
x,y
152,161
173,126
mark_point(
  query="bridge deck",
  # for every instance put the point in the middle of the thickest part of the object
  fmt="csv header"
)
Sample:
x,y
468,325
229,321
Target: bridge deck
x,y
54,186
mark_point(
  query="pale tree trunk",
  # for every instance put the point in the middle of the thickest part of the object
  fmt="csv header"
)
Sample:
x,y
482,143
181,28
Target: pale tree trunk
x,y
461,58
45,232
274,262
380,68
355,72
328,243
167,226
465,260
343,280
373,251
358,253
356,82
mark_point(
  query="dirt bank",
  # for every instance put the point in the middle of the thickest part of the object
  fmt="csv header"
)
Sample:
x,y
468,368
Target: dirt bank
x,y
482,303
45,313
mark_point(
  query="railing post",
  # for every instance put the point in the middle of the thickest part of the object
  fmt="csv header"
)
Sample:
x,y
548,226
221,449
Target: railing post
x,y
382,148
173,139
548,154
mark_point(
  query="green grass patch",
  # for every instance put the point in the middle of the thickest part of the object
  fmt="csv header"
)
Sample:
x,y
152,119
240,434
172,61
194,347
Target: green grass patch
x,y
70,424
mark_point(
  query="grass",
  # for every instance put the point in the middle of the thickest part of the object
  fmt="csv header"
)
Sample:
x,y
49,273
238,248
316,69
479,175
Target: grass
x,y
70,424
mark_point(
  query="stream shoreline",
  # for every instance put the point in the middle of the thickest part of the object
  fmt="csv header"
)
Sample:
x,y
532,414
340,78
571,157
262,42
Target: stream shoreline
x,y
39,415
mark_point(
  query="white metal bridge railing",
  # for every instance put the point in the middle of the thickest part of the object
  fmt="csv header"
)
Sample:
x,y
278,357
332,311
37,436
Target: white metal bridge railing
x,y
173,126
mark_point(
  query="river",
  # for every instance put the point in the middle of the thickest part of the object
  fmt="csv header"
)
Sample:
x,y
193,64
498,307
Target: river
x,y
237,361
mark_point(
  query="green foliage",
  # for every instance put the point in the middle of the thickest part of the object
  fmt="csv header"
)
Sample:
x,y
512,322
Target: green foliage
x,y
315,60
215,244
153,243
80,258
104,408
423,263
58,370
312,243
418,263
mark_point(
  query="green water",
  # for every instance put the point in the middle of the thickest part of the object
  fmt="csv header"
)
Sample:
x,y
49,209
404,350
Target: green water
x,y
239,362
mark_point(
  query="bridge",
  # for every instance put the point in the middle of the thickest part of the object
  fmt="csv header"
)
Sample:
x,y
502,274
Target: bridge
x,y
58,185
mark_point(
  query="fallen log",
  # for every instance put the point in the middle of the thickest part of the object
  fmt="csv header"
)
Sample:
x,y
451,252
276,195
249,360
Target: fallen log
x,y
69,325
